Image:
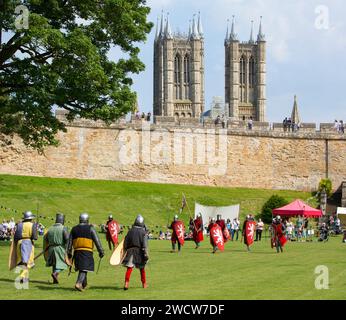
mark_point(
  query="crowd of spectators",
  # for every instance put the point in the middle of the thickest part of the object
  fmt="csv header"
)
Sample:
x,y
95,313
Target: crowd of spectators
x,y
7,228
290,126
339,126
143,116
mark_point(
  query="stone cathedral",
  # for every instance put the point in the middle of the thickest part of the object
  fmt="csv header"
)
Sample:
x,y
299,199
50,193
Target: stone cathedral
x,y
179,73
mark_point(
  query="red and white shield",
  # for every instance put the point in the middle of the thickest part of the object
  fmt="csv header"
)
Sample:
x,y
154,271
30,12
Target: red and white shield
x,y
250,232
179,230
226,235
113,229
217,236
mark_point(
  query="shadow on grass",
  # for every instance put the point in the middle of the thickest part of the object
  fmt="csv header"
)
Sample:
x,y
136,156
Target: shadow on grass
x,y
72,289
31,281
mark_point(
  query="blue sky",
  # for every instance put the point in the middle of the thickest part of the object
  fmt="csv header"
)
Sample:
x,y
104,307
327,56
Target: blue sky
x,y
306,49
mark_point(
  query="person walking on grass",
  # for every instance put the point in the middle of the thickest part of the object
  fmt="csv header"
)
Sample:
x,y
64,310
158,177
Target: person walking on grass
x,y
136,247
54,245
82,239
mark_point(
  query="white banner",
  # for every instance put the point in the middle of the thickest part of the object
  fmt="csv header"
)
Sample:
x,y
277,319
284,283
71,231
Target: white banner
x,y
229,212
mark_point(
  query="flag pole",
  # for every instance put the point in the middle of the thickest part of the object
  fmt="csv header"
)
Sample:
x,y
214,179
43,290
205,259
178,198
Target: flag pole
x,y
189,211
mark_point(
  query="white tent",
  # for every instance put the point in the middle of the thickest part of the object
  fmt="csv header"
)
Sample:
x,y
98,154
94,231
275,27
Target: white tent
x,y
341,212
229,212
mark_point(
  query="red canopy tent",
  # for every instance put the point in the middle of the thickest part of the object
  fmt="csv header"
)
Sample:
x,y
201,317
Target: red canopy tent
x,y
297,208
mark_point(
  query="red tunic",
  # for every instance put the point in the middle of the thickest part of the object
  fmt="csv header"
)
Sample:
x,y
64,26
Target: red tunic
x,y
198,230
278,234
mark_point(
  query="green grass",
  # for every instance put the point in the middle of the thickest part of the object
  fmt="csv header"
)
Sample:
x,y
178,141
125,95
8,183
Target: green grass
x,y
156,202
198,274
193,274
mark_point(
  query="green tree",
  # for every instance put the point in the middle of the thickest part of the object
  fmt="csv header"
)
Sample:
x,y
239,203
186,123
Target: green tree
x,y
62,60
327,185
273,202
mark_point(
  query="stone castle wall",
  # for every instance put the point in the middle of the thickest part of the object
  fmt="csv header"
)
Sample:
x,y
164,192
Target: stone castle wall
x,y
171,154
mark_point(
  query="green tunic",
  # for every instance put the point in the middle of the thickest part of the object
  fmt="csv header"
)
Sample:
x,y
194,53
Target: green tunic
x,y
56,241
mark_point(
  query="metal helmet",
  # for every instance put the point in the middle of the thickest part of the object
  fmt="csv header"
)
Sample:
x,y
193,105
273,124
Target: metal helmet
x,y
176,217
84,218
28,215
110,217
218,217
213,219
248,217
139,220
199,215
60,218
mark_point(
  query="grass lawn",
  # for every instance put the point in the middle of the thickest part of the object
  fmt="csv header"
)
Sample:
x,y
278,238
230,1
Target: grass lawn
x,y
198,274
193,274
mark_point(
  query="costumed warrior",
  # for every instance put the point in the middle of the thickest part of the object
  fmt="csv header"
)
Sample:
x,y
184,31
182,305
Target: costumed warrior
x,y
136,247
82,240
112,228
248,231
54,246
221,222
278,237
24,236
215,235
197,232
178,232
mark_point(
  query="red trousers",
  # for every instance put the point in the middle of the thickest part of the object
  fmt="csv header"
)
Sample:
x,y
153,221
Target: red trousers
x,y
128,275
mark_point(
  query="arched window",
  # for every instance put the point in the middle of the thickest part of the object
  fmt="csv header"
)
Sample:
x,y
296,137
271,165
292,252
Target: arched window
x,y
176,116
242,70
186,69
186,77
177,76
183,115
252,72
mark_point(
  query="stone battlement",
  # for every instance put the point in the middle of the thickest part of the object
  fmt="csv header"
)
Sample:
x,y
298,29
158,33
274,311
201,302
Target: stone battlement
x,y
233,127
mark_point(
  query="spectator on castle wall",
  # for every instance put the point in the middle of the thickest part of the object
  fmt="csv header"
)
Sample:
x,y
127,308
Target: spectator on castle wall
x,y
289,124
341,127
148,116
143,115
217,120
250,123
223,121
336,125
137,115
284,123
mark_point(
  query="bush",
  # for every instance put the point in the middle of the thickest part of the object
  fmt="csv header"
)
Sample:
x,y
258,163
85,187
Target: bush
x,y
325,184
273,202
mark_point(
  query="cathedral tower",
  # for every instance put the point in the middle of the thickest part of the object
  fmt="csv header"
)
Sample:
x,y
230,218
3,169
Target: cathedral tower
x,y
245,75
179,71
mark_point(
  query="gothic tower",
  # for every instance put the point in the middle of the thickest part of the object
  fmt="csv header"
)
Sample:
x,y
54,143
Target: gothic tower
x,y
179,71
245,76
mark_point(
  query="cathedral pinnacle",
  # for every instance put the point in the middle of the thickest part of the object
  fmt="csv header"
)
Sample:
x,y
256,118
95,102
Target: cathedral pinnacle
x,y
168,30
233,36
261,36
251,34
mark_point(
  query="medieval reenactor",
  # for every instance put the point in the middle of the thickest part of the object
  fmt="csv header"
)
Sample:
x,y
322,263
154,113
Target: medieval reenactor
x,y
278,237
216,236
221,222
197,230
136,247
82,240
54,246
112,229
248,231
23,244
178,233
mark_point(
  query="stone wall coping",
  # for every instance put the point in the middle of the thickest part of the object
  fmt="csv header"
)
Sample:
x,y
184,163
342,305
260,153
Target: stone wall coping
x,y
240,131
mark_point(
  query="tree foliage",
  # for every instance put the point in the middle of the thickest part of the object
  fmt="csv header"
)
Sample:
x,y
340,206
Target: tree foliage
x,y
273,202
327,185
62,60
